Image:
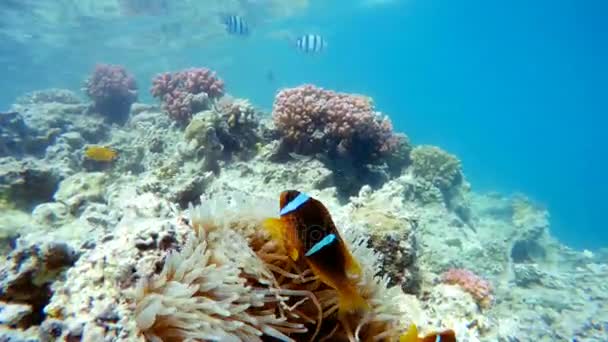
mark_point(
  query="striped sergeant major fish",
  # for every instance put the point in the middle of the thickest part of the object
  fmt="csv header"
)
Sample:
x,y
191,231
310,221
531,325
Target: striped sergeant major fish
x,y
235,24
311,43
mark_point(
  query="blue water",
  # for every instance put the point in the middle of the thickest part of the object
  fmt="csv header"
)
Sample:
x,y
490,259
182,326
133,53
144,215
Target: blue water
x,y
518,89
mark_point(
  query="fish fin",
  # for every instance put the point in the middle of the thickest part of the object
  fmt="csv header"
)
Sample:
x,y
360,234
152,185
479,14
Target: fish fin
x,y
293,254
275,228
411,335
351,301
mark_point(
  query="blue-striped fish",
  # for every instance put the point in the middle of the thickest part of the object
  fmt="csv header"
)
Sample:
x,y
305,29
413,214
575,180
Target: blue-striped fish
x,y
235,24
306,231
311,43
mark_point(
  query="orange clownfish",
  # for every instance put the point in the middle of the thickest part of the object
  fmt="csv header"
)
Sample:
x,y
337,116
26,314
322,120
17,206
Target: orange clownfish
x,y
307,231
411,335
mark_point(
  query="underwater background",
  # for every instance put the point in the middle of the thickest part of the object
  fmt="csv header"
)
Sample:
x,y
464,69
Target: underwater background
x,y
517,90
303,170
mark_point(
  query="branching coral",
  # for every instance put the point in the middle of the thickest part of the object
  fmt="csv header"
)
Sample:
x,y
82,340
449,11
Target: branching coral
x,y
313,120
187,92
112,90
479,288
232,282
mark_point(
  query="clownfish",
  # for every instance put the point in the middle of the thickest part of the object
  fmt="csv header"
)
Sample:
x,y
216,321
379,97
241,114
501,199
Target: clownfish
x,y
306,230
411,335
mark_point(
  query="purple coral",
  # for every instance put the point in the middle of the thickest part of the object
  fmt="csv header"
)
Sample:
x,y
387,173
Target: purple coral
x,y
186,92
479,288
113,91
313,119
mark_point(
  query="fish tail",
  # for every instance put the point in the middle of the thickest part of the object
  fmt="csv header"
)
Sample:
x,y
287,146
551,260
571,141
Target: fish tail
x,y
351,301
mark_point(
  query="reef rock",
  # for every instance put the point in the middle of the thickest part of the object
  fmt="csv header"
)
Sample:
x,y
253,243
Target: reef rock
x,y
27,182
14,134
82,188
391,232
27,278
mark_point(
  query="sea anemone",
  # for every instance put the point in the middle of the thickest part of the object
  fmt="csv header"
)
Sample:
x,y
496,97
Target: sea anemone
x,y
232,282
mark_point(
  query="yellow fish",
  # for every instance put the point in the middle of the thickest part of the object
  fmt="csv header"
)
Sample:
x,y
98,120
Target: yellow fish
x,y
411,335
100,153
307,231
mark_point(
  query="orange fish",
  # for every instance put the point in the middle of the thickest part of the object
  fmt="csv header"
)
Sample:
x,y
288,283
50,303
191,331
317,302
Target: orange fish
x,y
307,231
100,153
411,335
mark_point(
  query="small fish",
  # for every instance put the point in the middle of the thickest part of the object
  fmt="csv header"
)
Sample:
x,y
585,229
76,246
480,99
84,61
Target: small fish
x,y
100,153
311,43
307,231
411,335
235,24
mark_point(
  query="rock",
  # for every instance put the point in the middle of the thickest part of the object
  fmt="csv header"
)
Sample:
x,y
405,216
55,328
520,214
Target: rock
x,y
51,214
82,188
26,183
14,134
12,314
51,330
28,277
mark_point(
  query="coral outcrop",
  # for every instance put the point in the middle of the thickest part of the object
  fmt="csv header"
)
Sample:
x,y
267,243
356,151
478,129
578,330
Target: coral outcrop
x,y
314,120
187,92
113,90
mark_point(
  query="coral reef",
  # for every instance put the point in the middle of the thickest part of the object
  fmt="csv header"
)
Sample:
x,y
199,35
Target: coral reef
x,y
113,91
110,253
314,120
187,92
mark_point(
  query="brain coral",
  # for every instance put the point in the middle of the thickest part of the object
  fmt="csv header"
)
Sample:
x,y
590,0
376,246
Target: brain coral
x,y
231,282
314,120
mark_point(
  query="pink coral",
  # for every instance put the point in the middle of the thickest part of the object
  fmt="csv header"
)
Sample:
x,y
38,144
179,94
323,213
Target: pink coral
x,y
479,288
312,119
183,93
112,90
